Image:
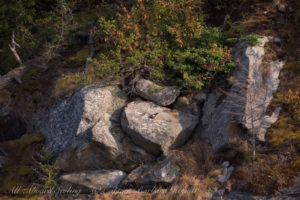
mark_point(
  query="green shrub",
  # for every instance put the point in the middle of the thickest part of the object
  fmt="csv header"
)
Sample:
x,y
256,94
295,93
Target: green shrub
x,y
166,40
48,171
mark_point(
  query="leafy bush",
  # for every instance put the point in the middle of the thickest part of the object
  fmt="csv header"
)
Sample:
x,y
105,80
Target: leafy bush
x,y
167,40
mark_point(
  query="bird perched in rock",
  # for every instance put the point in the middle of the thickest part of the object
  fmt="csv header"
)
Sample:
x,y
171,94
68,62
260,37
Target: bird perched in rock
x,y
153,116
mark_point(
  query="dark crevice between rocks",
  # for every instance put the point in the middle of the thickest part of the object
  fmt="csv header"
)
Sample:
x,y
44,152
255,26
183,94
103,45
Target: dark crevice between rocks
x,y
12,127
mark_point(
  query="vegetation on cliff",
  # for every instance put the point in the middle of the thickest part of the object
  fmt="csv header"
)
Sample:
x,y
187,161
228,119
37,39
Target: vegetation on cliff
x,y
70,43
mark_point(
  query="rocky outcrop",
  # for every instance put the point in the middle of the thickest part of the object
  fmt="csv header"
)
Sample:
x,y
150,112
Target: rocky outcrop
x,y
99,180
260,88
162,172
163,96
247,100
209,107
84,131
156,128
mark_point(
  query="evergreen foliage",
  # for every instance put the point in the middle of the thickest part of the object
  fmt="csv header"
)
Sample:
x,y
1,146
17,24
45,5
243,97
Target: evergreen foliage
x,y
162,40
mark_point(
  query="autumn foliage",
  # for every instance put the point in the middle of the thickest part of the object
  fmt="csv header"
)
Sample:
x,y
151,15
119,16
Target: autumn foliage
x,y
164,40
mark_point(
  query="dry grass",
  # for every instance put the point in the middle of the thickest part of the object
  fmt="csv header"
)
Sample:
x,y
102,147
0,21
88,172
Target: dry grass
x,y
17,170
194,158
185,188
267,174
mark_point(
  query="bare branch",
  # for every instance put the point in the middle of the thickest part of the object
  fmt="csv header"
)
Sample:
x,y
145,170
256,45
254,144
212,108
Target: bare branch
x,y
13,46
91,43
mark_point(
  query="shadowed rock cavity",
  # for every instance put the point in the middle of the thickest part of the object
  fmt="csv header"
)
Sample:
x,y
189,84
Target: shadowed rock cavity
x,y
11,126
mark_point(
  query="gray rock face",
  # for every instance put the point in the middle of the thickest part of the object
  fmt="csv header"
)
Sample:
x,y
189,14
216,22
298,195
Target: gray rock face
x,y
163,172
84,131
209,107
248,99
163,96
260,89
226,174
95,180
157,128
200,97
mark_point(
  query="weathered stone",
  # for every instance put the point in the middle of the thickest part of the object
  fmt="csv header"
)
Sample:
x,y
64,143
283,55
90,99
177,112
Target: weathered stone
x,y
225,164
93,156
183,104
210,106
100,180
226,174
248,99
84,131
163,96
156,128
200,97
162,172
259,95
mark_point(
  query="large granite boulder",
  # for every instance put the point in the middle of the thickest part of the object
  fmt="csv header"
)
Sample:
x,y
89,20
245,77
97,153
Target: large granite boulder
x,y
99,180
84,131
162,172
156,128
248,99
163,96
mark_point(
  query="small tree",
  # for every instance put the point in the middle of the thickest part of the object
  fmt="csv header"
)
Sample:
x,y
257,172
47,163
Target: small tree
x,y
13,47
46,169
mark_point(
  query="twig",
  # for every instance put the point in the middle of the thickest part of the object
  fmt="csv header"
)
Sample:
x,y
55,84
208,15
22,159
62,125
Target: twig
x,y
13,46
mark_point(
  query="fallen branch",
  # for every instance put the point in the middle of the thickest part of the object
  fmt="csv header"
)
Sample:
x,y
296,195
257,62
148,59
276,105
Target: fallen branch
x,y
14,74
10,76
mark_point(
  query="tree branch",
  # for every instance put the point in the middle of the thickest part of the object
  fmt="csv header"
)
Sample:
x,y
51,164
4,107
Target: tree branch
x,y
13,46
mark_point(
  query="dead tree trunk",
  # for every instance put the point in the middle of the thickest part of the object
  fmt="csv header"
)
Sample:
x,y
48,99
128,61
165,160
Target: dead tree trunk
x,y
91,43
13,46
17,72
10,76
